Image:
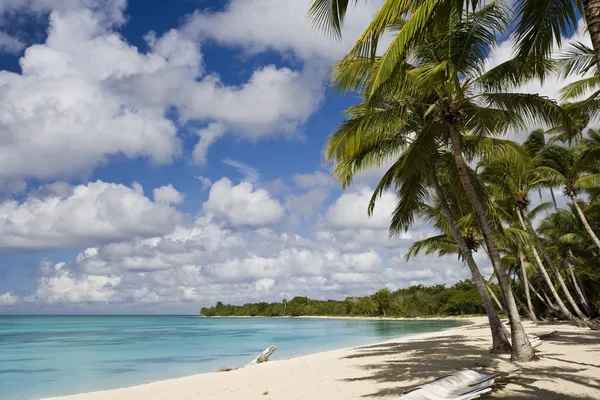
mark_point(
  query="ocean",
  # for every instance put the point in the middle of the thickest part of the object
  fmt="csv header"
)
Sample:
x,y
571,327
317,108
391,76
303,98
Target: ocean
x,y
45,356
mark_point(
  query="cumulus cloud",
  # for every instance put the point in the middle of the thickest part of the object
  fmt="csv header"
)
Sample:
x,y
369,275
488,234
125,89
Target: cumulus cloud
x,y
208,262
242,205
89,91
61,215
350,210
260,25
64,287
167,195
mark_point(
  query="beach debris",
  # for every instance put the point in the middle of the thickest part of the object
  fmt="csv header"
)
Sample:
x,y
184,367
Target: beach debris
x,y
225,369
264,356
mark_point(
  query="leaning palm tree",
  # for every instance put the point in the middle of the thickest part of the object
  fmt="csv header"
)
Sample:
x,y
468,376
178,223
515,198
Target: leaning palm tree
x,y
449,65
567,167
371,135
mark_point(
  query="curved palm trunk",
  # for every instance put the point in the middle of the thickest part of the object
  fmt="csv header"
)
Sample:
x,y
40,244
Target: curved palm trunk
x,y
526,285
538,243
582,297
489,288
585,222
546,302
500,343
591,12
521,348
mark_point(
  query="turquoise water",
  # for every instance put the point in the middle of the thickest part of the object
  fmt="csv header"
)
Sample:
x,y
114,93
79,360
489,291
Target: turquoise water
x,y
44,356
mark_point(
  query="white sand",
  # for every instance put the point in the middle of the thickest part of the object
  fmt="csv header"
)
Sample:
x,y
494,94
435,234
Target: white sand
x,y
568,368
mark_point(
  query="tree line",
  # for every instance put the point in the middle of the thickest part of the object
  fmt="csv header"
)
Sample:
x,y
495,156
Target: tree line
x,y
416,301
433,106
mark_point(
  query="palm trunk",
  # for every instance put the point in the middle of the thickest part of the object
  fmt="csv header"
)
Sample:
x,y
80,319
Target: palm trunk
x,y
585,222
500,307
561,306
591,12
538,243
582,297
521,348
500,343
526,285
546,302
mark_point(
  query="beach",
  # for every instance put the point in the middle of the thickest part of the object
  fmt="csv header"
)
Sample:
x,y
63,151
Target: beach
x,y
568,367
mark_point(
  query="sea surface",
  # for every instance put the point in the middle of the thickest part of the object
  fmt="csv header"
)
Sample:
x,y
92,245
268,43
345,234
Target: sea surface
x,y
45,356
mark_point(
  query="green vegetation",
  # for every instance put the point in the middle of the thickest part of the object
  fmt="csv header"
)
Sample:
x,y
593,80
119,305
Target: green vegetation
x,y
416,301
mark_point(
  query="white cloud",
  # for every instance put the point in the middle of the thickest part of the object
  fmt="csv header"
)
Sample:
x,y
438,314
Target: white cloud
x,y
350,210
307,203
63,287
211,260
61,216
87,90
167,195
206,182
259,25
241,205
312,180
207,136
8,299
274,101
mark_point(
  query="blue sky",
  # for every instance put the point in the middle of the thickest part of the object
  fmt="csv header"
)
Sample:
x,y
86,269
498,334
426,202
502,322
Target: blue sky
x,y
159,156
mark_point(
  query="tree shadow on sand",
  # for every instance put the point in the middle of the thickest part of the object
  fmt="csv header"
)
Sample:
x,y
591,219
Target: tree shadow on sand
x,y
420,361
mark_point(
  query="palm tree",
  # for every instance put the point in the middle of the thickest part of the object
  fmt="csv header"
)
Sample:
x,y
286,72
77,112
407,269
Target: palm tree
x,y
568,168
449,67
371,135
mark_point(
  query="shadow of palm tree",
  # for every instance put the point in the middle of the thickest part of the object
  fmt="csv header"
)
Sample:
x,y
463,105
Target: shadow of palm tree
x,y
407,365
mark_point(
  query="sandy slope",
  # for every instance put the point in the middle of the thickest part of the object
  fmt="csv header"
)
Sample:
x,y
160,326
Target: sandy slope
x,y
568,368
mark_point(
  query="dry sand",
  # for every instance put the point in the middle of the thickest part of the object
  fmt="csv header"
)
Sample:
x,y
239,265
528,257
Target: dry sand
x,y
568,367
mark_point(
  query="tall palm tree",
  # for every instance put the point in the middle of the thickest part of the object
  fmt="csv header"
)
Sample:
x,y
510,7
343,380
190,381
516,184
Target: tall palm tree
x,y
449,66
371,135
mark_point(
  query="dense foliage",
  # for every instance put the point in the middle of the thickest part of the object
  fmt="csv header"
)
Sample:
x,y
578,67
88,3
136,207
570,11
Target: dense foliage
x,y
416,301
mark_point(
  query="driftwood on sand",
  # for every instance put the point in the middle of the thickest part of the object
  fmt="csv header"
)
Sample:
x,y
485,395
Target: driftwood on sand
x,y
264,356
261,358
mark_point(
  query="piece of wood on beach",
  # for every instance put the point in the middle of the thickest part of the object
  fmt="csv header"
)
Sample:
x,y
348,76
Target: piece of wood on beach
x,y
264,356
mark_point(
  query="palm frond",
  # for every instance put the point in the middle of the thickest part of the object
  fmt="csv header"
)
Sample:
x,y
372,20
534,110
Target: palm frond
x,y
441,244
328,15
542,24
579,88
579,59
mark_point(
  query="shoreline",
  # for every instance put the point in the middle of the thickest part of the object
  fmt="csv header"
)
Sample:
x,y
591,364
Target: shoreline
x,y
358,318
390,366
470,321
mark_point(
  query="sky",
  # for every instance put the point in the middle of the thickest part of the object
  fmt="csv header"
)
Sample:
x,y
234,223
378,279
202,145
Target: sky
x,y
157,157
